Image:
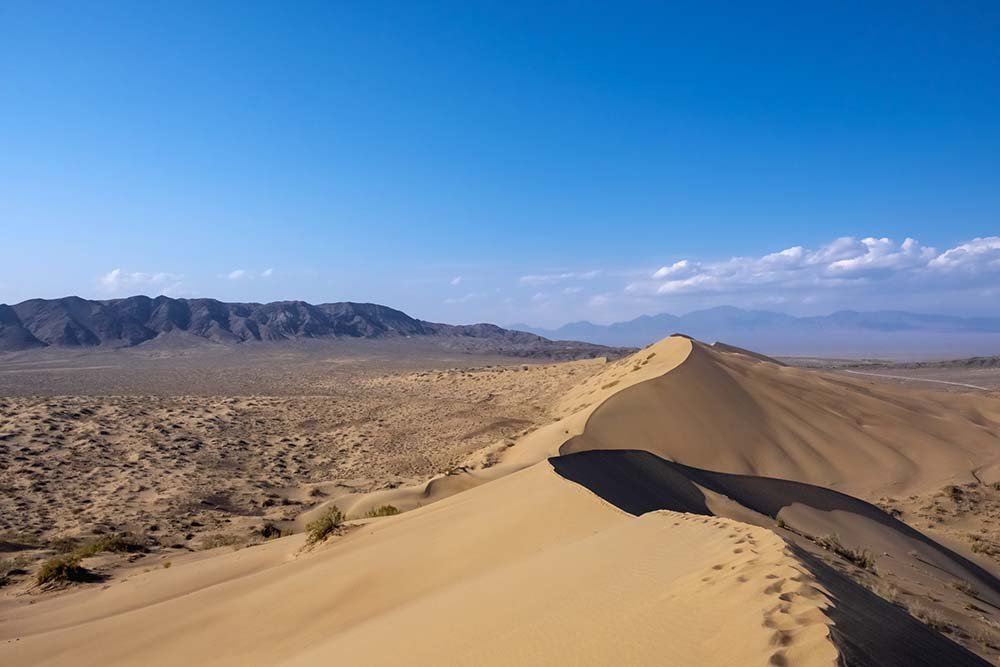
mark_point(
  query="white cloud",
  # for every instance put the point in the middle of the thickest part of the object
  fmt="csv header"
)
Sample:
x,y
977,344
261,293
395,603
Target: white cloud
x,y
551,278
119,282
572,290
884,254
457,280
841,263
238,274
980,254
267,273
678,269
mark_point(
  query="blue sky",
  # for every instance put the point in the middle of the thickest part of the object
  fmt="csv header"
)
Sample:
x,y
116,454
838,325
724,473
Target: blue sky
x,y
534,162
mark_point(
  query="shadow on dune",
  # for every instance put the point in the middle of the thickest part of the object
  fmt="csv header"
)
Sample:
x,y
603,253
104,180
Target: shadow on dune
x,y
731,411
868,630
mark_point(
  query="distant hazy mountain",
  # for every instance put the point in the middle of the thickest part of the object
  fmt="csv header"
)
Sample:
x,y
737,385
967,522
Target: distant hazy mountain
x,y
72,322
886,333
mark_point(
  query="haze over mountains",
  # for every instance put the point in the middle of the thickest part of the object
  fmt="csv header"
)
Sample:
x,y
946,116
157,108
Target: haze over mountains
x,y
848,333
73,322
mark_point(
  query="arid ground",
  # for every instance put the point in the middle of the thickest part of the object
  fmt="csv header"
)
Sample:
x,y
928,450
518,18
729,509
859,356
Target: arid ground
x,y
692,500
194,449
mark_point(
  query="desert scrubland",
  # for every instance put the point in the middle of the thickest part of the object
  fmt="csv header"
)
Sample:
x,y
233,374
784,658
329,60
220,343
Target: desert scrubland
x,y
698,502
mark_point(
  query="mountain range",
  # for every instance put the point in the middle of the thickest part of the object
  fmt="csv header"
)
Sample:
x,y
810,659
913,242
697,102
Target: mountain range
x,y
74,322
848,332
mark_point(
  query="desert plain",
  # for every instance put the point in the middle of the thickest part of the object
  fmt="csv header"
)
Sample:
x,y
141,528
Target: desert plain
x,y
375,502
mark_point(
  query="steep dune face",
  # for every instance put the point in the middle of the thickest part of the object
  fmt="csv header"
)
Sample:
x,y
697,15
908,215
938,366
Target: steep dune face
x,y
733,413
530,569
639,483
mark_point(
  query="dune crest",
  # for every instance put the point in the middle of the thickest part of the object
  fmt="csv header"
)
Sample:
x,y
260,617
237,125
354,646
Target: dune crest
x,y
734,413
573,412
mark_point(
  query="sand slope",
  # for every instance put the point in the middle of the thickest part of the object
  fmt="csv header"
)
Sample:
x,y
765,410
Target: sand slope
x,y
734,413
531,569
639,482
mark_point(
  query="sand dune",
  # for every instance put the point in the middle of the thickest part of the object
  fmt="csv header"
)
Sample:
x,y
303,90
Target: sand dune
x,y
530,569
639,482
730,412
678,511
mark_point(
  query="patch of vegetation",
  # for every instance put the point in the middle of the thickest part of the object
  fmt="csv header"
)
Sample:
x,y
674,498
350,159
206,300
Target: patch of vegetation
x,y
270,531
965,587
384,510
954,492
981,544
64,545
221,540
114,543
860,557
325,525
65,568
888,592
929,617
987,636
23,539
167,564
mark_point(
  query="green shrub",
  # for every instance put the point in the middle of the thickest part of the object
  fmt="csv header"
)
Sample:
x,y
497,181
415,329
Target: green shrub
x,y
62,568
860,557
220,540
888,592
384,510
64,545
116,543
932,618
325,525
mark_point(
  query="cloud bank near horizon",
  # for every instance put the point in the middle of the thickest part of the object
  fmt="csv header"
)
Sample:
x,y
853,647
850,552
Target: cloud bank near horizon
x,y
870,273
843,263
